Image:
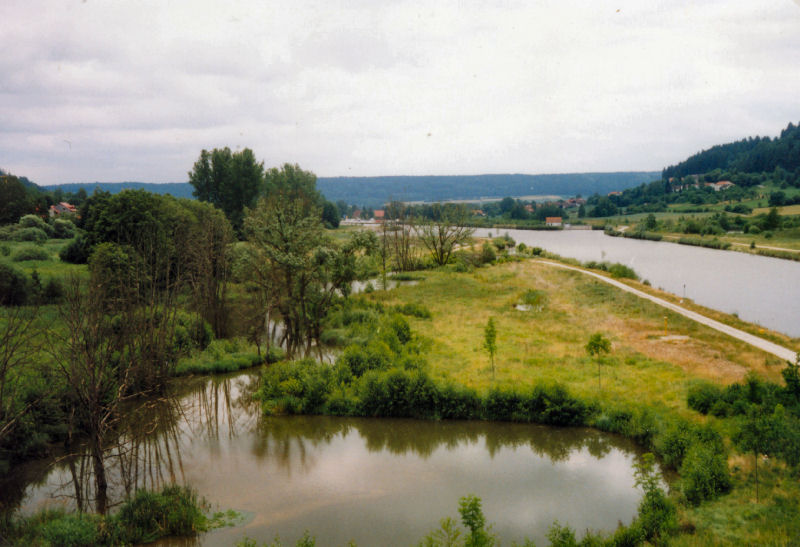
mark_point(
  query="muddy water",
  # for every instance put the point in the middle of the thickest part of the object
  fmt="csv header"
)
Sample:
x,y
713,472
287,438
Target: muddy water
x,y
375,481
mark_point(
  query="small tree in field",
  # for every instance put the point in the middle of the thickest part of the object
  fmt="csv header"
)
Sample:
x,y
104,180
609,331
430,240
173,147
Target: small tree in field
x,y
490,341
597,346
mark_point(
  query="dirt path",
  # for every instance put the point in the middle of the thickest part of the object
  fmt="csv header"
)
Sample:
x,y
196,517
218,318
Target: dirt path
x,y
760,343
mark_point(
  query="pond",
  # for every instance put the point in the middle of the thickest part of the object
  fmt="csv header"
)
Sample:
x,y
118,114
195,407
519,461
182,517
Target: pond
x,y
375,481
758,289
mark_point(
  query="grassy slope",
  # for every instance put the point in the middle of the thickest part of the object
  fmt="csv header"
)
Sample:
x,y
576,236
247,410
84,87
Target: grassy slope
x,y
549,344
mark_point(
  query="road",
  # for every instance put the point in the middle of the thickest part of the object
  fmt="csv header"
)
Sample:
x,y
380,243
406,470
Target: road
x,y
760,343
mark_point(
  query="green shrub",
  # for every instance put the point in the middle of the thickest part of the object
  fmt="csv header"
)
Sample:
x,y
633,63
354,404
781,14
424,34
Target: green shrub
x,y
488,254
63,229
5,250
14,286
33,221
77,251
72,530
31,234
534,298
30,252
175,511
413,309
704,473
703,395
622,271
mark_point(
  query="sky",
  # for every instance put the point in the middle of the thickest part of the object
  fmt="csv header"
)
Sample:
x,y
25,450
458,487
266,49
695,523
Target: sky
x,y
116,91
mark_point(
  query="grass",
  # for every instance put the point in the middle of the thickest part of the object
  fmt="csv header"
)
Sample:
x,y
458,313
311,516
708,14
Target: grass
x,y
52,267
547,344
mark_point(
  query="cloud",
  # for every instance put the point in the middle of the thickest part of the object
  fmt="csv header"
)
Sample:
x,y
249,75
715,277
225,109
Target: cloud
x,y
409,87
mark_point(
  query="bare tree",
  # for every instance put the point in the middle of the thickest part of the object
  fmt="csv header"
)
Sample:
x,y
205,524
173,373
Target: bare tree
x,y
444,231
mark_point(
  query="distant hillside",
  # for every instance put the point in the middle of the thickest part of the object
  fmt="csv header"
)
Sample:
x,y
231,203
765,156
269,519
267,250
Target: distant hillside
x,y
750,155
374,191
177,189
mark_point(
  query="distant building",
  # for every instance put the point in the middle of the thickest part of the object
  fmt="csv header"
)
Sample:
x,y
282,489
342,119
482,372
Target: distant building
x,y
553,221
722,185
378,214
357,213
615,193
62,208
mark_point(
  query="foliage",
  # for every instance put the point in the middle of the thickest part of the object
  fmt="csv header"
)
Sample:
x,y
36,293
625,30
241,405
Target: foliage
x,y
444,231
30,252
414,310
657,513
16,199
36,235
230,180
704,473
490,340
14,286
77,251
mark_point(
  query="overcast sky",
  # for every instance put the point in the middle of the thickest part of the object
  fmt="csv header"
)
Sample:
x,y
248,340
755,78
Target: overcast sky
x,y
132,91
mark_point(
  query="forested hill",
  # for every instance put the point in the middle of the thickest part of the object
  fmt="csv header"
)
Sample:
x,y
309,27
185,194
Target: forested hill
x,y
374,191
751,155
176,189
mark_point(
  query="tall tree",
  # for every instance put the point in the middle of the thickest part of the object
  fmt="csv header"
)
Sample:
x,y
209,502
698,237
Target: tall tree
x,y
229,180
14,199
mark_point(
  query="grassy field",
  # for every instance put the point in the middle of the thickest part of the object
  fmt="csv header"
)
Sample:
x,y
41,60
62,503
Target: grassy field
x,y
649,361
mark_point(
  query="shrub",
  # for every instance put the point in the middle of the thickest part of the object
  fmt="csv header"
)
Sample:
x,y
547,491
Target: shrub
x,y
703,395
63,229
30,252
71,529
704,474
488,254
622,271
33,221
413,309
175,511
5,250
534,298
14,286
31,234
77,251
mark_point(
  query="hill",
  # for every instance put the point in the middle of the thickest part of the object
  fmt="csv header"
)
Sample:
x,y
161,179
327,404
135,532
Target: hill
x,y
374,191
750,155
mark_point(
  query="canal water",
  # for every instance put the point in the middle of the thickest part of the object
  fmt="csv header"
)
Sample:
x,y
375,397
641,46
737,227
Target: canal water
x,y
373,481
759,289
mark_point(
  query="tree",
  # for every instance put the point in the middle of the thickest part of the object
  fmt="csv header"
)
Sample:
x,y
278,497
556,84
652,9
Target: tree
x,y
759,433
15,200
490,341
445,231
595,347
229,180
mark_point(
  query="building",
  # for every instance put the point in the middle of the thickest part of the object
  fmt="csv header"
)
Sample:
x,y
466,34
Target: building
x,y
553,221
62,208
378,214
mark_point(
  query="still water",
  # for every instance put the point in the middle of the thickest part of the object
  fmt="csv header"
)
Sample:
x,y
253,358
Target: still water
x,y
760,289
374,481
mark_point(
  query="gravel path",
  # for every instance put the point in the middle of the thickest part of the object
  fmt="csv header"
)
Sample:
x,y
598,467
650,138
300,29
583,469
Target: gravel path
x,y
760,343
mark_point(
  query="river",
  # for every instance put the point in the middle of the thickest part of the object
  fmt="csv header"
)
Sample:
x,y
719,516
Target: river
x,y
375,481
758,289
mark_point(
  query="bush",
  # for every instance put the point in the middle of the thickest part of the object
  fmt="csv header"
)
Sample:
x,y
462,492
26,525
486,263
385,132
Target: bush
x,y
703,395
36,235
30,252
77,251
5,250
622,271
14,286
33,221
488,254
63,229
704,474
175,511
414,310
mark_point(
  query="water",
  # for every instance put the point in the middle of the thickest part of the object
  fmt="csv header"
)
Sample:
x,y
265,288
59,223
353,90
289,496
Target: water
x,y
375,481
758,289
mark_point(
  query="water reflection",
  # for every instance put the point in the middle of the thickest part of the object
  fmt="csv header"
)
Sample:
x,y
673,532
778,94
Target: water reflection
x,y
375,481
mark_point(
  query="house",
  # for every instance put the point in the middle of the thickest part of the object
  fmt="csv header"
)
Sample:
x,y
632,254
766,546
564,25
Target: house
x,y
357,214
722,185
62,208
379,214
553,221
615,193
529,208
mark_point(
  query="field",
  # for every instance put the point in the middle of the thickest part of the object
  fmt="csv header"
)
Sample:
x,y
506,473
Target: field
x,y
655,354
